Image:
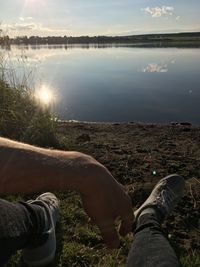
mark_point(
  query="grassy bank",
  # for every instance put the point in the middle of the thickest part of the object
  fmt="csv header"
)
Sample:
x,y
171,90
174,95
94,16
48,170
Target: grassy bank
x,y
23,119
138,155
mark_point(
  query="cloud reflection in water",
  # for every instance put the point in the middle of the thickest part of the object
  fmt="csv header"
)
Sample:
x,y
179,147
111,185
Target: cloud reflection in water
x,y
154,67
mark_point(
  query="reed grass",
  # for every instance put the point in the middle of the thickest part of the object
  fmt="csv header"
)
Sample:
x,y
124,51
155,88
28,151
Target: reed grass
x,y
22,118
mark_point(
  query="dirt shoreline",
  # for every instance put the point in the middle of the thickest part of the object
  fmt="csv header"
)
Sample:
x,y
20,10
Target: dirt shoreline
x,y
138,155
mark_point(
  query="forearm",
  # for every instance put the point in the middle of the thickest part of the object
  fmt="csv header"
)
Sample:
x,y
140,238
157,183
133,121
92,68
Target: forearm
x,y
25,168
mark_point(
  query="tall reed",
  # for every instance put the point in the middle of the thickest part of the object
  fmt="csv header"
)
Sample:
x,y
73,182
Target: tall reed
x,y
21,116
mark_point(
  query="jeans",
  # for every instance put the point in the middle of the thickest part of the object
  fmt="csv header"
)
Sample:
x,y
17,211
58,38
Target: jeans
x,y
150,248
23,224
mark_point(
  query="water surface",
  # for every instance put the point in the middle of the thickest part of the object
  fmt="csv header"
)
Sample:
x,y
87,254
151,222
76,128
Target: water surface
x,y
116,84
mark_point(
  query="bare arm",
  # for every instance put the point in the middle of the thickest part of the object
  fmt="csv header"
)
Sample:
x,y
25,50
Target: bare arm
x,y
25,168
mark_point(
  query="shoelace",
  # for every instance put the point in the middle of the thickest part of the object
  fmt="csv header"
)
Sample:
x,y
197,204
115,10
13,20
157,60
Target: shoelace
x,y
166,199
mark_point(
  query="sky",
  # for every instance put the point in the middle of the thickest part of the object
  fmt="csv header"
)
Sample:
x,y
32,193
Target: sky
x,y
98,17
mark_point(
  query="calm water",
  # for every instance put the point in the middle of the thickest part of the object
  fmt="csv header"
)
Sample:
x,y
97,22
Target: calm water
x,y
115,84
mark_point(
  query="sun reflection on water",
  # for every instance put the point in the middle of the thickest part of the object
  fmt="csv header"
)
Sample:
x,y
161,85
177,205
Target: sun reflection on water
x,y
45,95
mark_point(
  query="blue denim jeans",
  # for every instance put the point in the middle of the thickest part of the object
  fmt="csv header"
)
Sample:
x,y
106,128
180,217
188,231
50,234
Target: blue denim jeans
x,y
150,248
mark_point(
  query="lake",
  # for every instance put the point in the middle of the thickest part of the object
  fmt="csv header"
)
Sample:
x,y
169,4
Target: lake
x,y
114,83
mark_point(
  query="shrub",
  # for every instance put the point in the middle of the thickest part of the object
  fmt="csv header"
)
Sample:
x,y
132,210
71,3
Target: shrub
x,y
23,119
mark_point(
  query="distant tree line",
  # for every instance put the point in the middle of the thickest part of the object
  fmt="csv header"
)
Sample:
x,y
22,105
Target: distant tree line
x,y
70,40
147,38
4,39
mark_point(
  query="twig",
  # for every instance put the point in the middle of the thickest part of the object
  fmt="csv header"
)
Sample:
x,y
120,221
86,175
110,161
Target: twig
x,y
197,180
191,193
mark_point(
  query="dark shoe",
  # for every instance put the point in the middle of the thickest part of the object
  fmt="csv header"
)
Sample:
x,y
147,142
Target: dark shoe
x,y
164,197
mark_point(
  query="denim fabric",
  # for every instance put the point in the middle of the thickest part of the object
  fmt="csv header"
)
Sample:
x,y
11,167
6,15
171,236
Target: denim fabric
x,y
20,225
150,248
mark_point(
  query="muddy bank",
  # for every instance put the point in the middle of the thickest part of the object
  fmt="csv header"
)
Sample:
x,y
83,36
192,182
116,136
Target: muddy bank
x,y
138,155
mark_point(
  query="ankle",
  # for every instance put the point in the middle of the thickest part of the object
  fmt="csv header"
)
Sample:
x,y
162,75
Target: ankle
x,y
150,214
147,220
150,210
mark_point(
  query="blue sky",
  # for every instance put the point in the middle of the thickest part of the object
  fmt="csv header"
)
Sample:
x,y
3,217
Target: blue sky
x,y
98,17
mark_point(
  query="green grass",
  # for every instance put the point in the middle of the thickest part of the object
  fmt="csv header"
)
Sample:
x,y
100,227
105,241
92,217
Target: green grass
x,y
191,258
23,119
79,244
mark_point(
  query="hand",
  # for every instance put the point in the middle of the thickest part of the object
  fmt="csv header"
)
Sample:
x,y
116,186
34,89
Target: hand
x,y
105,200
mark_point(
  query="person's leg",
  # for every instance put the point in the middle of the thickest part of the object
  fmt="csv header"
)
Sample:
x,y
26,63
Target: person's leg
x,y
18,222
150,248
22,225
43,253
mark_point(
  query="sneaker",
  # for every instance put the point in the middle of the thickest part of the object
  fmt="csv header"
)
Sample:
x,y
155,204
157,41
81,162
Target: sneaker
x,y
44,254
164,197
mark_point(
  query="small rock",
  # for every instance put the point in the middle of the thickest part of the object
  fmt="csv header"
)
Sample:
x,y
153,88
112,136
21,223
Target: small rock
x,y
185,124
174,123
171,144
186,129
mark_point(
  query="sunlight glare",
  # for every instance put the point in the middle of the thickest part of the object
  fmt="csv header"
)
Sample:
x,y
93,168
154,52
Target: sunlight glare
x,y
45,95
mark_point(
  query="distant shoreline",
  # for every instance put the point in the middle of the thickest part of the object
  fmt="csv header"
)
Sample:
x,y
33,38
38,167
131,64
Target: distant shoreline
x,y
164,44
188,39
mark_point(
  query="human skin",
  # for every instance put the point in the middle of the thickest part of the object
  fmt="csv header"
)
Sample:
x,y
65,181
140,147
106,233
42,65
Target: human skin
x,y
26,169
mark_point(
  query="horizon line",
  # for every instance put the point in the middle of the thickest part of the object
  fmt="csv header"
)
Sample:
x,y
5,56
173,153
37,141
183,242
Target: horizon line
x,y
111,36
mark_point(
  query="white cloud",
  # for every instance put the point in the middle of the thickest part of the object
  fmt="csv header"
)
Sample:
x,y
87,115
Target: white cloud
x,y
27,28
156,12
178,18
19,27
25,18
